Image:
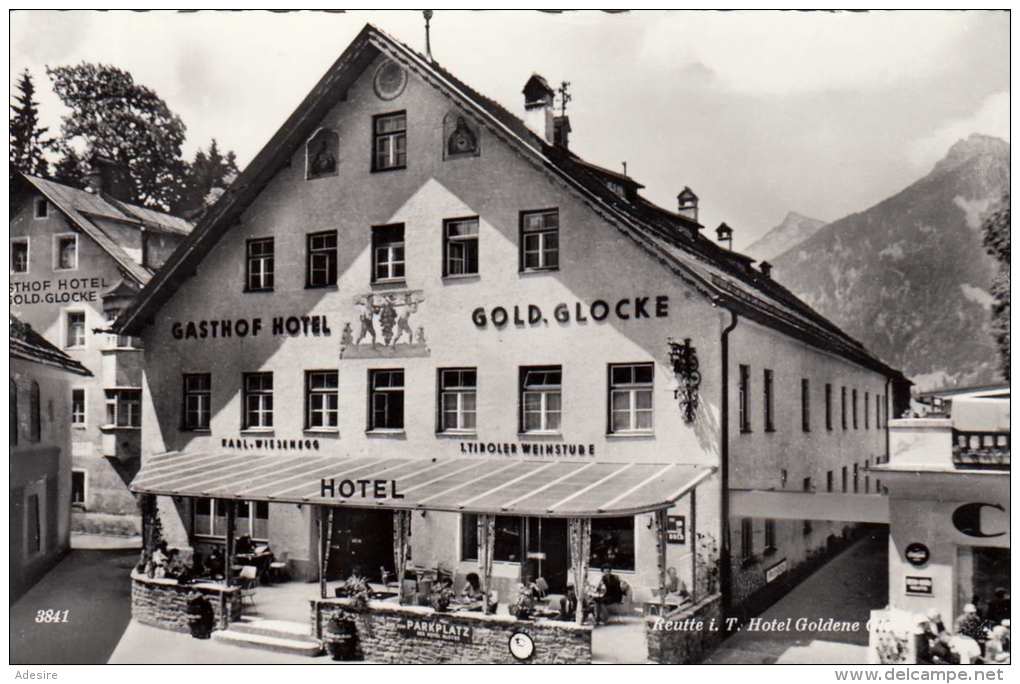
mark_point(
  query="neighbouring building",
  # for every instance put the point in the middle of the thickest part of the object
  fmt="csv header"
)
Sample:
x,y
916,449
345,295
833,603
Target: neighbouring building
x,y
41,482
409,271
78,257
949,514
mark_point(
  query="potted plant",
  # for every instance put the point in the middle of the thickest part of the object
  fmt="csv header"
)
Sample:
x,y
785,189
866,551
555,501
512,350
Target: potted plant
x,y
523,603
441,597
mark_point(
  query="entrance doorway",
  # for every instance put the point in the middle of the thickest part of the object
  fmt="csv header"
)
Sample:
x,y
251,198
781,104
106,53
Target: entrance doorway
x,y
361,539
981,570
548,553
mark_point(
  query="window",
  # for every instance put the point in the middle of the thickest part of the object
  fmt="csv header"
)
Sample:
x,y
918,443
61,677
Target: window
x,y
210,519
19,255
746,540
867,478
118,341
387,253
65,252
75,325
770,535
879,402
540,240
867,410
197,400
630,398
770,425
541,398
457,399
856,477
460,247
853,405
829,482
612,543
124,408
35,413
805,405
258,401
845,479
386,399
807,523
259,275
78,407
828,406
322,400
744,399
13,407
34,524
322,259
42,208
842,405
389,141
507,543
78,488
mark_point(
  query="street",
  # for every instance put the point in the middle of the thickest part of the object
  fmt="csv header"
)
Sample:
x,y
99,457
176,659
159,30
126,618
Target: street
x,y
92,585
845,589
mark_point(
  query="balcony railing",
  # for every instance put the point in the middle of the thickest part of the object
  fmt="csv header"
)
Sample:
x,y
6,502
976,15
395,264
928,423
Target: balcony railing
x,y
981,450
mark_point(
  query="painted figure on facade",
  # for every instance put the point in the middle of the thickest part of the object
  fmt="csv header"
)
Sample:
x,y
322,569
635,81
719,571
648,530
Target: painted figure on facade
x,y
385,326
366,314
324,161
403,326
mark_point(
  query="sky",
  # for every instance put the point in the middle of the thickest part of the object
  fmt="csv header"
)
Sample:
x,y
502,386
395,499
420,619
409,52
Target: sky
x,y
760,113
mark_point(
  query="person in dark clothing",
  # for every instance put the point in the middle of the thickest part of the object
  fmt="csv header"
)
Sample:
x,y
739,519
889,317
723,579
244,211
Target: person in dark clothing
x,y
941,653
614,590
998,607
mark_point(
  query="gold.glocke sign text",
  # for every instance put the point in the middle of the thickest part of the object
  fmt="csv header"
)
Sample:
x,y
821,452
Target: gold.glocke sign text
x,y
598,310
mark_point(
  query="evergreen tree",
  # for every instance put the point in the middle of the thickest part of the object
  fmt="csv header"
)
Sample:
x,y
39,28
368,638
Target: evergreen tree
x,y
209,174
28,143
997,243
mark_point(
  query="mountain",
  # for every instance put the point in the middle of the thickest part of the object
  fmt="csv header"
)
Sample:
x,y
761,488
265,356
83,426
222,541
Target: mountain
x,y
793,230
909,277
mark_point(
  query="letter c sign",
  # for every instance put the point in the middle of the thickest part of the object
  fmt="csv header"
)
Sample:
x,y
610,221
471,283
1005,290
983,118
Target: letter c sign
x,y
967,519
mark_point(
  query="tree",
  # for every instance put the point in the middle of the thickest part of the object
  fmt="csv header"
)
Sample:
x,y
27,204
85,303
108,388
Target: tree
x,y
208,176
997,243
27,142
115,117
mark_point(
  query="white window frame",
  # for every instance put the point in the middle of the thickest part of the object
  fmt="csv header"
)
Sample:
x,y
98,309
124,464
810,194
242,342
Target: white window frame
x,y
385,154
450,240
28,254
116,399
458,391
212,533
83,423
57,237
542,235
40,202
386,391
67,328
263,272
330,254
261,411
384,255
543,392
84,488
323,412
632,389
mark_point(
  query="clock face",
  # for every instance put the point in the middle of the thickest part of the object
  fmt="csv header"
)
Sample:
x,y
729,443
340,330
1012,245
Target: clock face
x,y
521,646
390,80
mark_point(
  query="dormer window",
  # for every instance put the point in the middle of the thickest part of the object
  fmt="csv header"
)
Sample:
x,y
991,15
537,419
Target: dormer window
x,y
617,189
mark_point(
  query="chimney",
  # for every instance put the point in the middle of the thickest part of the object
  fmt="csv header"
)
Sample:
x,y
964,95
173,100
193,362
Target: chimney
x,y
766,269
725,234
561,131
538,107
687,204
111,178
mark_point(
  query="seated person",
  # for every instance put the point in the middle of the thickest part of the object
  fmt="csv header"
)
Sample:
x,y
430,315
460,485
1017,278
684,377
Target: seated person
x,y
472,590
244,546
214,565
941,653
542,586
995,651
160,560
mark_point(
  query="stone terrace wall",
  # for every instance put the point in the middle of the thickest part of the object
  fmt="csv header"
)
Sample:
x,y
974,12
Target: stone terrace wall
x,y
687,636
380,641
164,603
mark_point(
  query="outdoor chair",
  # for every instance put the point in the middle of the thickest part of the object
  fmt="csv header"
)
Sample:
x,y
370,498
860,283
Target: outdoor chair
x,y
248,580
279,569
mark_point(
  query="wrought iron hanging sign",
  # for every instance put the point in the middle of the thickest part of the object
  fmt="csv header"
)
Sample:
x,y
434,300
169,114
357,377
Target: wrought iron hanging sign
x,y
684,358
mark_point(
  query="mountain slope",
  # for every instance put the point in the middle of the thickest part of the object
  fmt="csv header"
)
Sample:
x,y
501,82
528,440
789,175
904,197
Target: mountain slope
x,y
792,231
909,277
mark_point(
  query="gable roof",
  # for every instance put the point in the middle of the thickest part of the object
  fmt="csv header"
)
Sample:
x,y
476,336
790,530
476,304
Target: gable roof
x,y
724,276
89,211
29,345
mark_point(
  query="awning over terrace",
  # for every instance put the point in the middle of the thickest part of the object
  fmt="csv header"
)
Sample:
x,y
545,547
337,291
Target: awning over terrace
x,y
511,486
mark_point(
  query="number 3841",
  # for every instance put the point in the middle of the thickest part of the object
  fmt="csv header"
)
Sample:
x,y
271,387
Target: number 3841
x,y
52,615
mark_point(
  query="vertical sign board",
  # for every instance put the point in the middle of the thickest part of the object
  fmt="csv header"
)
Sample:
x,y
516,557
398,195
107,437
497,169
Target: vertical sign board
x,y
676,529
919,586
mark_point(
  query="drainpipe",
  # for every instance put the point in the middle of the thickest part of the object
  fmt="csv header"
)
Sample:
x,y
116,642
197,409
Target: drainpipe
x,y
725,574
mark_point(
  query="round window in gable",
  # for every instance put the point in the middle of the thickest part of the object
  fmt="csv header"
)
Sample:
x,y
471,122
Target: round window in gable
x,y
390,80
